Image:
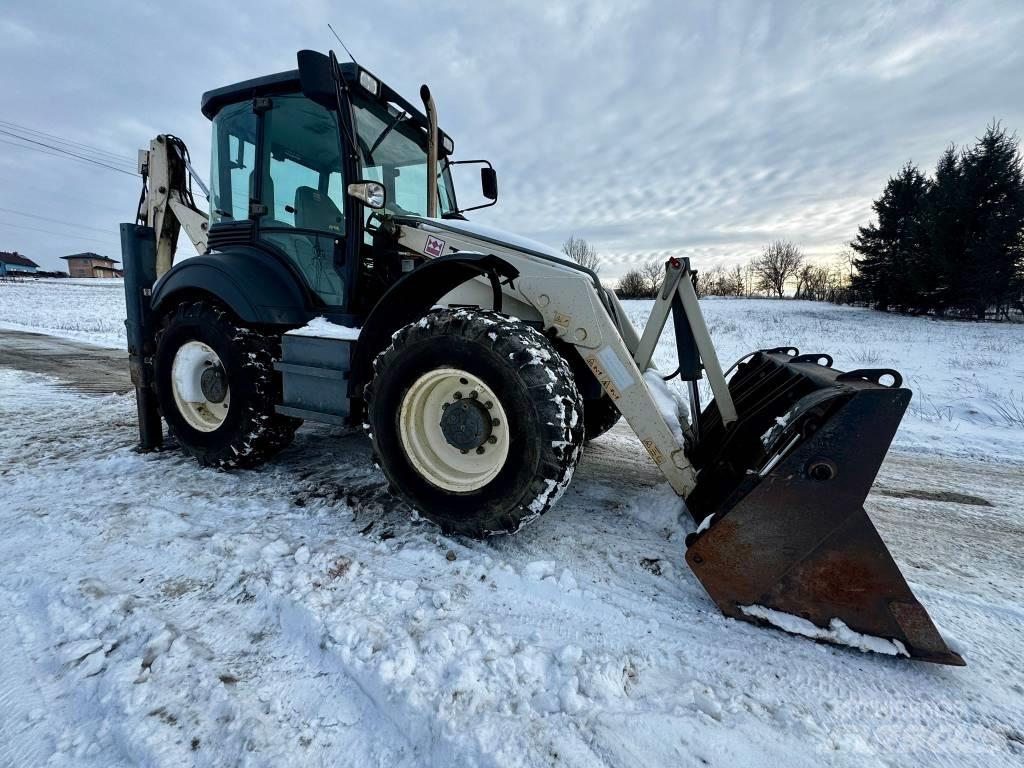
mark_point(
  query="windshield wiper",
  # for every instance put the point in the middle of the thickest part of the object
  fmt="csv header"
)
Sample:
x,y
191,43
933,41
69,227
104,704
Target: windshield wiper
x,y
384,134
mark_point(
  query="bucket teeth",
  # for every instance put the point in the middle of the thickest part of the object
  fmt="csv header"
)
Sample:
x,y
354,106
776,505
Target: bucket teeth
x,y
786,485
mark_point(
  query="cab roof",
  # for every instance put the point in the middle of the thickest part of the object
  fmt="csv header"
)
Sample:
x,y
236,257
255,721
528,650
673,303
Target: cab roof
x,y
282,82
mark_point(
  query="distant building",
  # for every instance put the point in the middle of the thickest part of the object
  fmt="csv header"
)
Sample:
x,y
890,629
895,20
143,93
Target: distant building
x,y
12,264
91,265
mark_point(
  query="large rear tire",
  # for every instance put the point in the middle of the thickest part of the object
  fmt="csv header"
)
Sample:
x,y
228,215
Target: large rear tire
x,y
475,420
599,415
216,387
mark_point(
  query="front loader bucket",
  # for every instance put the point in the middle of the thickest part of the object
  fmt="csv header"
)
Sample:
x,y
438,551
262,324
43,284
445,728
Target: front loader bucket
x,y
779,501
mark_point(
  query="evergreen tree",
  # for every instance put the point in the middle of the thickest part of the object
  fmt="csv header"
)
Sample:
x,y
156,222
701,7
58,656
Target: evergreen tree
x,y
990,271
894,252
946,230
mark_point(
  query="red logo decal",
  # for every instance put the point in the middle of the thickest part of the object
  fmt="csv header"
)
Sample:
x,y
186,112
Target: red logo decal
x,y
435,246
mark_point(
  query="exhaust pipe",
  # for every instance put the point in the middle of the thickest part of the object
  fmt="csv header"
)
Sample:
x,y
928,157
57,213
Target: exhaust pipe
x,y
431,110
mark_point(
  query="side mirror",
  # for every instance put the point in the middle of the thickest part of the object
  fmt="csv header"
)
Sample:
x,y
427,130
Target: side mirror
x,y
489,182
370,193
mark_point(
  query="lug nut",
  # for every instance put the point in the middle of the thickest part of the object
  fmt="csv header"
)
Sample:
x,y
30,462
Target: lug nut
x,y
495,422
457,395
488,405
463,450
473,395
444,406
492,439
480,449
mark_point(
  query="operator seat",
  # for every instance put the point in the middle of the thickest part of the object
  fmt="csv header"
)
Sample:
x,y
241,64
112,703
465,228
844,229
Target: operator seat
x,y
315,210
314,255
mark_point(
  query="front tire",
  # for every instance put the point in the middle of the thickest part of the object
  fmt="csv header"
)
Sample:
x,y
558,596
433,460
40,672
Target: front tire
x,y
475,420
216,387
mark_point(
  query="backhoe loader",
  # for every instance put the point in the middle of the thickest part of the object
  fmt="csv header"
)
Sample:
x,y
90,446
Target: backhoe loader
x,y
339,281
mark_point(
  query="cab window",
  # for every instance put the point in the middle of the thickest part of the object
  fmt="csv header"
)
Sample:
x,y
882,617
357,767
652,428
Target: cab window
x,y
302,191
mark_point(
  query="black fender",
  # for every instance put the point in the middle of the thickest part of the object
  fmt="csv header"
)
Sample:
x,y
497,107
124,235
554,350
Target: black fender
x,y
257,287
412,296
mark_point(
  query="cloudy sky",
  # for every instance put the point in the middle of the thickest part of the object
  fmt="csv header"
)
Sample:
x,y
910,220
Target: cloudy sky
x,y
650,128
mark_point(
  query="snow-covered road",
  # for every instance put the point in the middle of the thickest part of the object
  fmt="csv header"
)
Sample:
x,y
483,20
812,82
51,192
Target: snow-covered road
x,y
156,613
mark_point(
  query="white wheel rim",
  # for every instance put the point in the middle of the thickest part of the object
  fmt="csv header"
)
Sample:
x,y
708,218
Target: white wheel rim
x,y
425,444
191,359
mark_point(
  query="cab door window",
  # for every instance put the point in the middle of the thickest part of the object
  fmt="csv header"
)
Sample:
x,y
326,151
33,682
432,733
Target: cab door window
x,y
302,192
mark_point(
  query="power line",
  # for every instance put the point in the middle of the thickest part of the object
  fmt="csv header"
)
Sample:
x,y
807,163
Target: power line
x,y
34,149
21,183
59,151
48,153
87,147
55,221
68,235
67,152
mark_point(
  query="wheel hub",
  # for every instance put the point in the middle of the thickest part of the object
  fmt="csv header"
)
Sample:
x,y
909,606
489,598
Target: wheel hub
x,y
466,424
213,383
200,386
454,430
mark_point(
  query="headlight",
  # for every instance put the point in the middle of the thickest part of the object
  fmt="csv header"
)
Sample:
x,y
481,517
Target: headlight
x,y
371,193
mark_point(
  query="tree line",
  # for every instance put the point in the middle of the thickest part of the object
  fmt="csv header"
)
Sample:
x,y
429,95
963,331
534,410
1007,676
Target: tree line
x,y
781,264
952,243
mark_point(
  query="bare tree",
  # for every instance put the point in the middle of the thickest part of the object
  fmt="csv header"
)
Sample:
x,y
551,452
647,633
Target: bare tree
x,y
737,284
633,285
653,273
709,281
749,279
582,252
779,262
848,259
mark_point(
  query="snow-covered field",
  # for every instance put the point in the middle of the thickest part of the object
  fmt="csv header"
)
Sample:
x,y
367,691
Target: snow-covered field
x,y
967,378
89,310
156,613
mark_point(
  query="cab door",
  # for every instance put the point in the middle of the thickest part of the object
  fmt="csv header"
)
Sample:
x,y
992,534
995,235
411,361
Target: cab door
x,y
302,193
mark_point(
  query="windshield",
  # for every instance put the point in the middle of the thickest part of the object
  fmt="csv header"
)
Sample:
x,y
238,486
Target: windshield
x,y
393,150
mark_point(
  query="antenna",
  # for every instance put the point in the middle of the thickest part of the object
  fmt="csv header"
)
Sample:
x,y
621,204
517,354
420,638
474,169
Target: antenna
x,y
342,43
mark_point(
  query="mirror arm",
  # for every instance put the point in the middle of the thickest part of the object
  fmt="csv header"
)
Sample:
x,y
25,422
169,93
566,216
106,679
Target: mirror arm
x,y
473,162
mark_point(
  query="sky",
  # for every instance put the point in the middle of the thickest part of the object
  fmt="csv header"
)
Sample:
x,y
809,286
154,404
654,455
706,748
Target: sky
x,y
700,129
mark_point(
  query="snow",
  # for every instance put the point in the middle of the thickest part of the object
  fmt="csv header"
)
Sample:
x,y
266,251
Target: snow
x,y
323,328
967,378
161,614
86,309
837,631
670,405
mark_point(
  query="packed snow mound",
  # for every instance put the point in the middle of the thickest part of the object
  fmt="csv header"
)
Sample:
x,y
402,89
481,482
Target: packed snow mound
x,y
837,631
670,405
323,328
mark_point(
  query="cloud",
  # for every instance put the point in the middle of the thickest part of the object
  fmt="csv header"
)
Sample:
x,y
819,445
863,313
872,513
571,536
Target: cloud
x,y
15,33
651,128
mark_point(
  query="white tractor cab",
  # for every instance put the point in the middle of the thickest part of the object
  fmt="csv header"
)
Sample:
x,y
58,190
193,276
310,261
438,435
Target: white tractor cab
x,y
339,281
